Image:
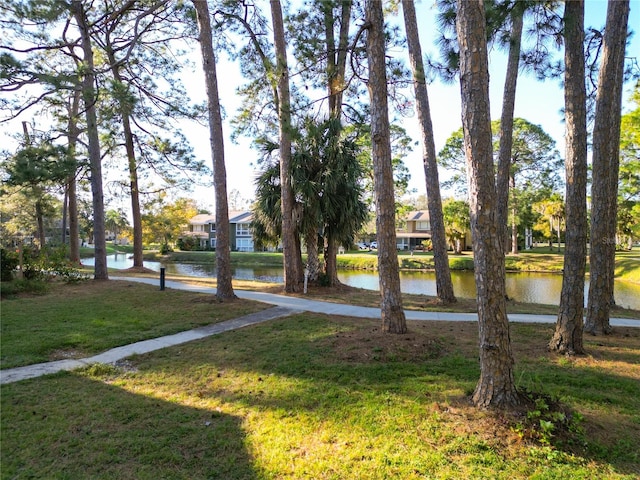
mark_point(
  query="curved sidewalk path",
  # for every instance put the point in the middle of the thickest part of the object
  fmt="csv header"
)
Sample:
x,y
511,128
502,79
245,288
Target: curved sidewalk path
x,y
283,306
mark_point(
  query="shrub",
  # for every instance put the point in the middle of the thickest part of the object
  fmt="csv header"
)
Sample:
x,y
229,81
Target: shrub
x,y
48,263
188,244
8,263
165,248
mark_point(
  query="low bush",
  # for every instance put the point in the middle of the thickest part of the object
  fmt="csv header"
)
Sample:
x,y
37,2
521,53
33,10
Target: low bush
x,y
8,263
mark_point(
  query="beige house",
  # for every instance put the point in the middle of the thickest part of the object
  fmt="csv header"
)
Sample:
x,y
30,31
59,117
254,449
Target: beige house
x,y
417,230
203,227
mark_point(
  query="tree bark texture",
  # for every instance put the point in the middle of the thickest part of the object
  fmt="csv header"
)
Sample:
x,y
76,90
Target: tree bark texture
x,y
291,273
72,205
393,318
331,261
506,122
511,194
567,338
496,387
90,97
136,214
337,56
224,284
605,167
42,239
313,259
336,67
444,286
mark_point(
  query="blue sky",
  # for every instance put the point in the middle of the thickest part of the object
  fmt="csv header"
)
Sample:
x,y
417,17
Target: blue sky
x,y
538,102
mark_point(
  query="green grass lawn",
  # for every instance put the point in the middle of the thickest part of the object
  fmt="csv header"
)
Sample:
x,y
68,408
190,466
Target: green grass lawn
x,y
88,318
305,397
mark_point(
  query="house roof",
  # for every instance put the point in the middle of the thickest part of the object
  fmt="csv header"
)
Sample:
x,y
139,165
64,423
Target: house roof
x,y
240,216
235,216
202,219
418,215
412,235
196,234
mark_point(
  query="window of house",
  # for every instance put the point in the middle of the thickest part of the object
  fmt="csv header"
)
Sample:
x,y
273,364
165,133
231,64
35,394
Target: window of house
x,y
244,244
423,225
213,243
242,229
213,227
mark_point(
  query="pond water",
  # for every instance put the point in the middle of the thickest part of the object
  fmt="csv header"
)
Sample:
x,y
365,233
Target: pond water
x,y
523,287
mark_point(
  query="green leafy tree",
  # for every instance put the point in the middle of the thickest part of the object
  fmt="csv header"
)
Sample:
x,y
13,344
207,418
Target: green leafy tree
x,y
37,37
292,259
535,165
116,221
326,185
163,221
38,169
629,187
90,96
142,97
457,222
552,215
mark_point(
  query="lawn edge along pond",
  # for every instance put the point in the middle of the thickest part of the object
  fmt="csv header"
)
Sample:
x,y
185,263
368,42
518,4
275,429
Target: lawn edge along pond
x,y
539,260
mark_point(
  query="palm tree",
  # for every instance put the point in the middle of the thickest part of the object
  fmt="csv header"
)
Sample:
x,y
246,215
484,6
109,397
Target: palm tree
x,y
267,215
327,189
115,221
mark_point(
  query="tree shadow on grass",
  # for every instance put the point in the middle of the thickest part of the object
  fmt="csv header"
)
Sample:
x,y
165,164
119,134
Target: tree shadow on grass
x,y
307,368
70,426
332,361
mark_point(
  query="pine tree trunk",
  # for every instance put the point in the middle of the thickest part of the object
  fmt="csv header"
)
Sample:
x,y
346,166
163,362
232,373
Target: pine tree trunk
x,y
74,227
291,274
514,214
444,286
42,240
567,338
606,164
503,181
393,318
224,285
496,387
514,233
132,165
337,56
95,159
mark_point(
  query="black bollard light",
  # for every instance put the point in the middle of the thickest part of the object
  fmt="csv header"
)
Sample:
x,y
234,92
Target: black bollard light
x,y
162,269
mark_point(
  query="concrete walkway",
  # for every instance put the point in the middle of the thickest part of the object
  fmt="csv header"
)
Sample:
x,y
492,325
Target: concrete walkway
x,y
283,306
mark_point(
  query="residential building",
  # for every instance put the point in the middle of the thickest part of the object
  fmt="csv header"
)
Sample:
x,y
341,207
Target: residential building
x,y
203,227
417,230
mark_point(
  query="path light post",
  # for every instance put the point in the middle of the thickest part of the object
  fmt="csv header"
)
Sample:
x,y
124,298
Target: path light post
x,y
306,278
162,271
